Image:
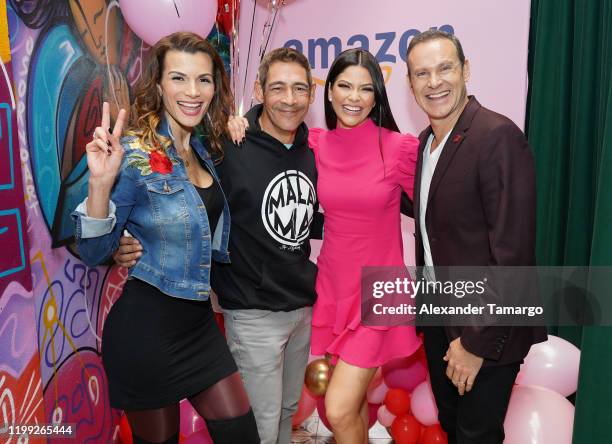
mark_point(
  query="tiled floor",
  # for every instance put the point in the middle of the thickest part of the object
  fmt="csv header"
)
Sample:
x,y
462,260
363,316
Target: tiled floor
x,y
313,431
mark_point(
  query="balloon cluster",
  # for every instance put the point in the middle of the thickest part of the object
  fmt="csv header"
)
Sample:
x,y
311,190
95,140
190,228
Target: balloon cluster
x,y
401,399
391,399
411,417
407,408
539,412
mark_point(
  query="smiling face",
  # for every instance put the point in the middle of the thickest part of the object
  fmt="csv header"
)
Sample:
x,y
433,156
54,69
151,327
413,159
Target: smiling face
x,y
438,80
286,97
352,96
187,87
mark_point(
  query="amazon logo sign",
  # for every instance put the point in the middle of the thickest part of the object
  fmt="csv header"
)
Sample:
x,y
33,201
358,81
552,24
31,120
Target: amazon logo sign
x,y
387,47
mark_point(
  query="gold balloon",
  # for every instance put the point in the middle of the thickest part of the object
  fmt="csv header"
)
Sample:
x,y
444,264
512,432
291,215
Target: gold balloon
x,y
318,373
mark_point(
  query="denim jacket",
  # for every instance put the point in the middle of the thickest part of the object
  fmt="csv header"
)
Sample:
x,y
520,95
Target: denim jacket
x,y
163,210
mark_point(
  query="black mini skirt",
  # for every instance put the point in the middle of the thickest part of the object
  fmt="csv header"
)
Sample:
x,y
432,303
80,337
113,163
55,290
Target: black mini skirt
x,y
158,349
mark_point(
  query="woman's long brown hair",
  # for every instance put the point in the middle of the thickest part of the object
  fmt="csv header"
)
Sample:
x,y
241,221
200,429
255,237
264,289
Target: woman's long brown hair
x,y
148,107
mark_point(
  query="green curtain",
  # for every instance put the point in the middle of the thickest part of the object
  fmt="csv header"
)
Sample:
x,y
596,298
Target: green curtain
x,y
569,125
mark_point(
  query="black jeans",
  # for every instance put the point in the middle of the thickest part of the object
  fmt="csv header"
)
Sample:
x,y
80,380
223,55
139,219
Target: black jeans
x,y
477,417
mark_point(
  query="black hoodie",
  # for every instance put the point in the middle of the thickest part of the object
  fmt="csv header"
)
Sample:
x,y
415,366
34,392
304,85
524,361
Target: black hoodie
x,y
271,191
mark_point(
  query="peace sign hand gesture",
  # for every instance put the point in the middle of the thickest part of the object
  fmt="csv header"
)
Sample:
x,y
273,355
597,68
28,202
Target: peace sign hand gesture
x,y
104,152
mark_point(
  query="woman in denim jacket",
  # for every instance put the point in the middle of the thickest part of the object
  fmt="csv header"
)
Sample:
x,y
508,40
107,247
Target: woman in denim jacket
x,y
161,342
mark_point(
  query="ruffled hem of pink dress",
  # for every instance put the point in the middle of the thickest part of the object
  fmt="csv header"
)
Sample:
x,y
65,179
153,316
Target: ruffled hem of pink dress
x,y
365,347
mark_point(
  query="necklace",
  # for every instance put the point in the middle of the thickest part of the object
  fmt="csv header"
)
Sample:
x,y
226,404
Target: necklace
x,y
183,155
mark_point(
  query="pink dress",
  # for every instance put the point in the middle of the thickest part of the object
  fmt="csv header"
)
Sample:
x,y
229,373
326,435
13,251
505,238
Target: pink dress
x,y
362,228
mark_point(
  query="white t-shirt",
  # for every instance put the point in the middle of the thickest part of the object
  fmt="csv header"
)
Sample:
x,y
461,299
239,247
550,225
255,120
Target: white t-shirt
x,y
430,160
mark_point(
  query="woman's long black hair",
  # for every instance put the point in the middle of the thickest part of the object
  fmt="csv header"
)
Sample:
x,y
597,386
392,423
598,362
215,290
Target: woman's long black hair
x,y
381,113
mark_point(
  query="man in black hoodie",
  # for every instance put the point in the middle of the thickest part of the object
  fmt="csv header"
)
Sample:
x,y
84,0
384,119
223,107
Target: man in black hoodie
x,y
268,290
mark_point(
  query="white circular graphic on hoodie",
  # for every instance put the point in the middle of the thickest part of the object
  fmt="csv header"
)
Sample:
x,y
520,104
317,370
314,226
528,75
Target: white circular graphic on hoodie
x,y
288,206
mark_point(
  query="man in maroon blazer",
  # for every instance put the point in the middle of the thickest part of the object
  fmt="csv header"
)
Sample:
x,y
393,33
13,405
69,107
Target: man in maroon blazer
x,y
474,205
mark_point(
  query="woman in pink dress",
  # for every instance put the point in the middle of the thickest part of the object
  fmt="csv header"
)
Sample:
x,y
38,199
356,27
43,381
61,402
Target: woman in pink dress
x,y
363,164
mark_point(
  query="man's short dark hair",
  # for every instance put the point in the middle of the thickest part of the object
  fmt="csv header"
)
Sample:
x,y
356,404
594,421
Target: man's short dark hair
x,y
286,55
434,34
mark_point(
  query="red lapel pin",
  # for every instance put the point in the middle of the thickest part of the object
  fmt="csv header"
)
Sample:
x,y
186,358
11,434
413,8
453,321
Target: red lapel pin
x,y
457,138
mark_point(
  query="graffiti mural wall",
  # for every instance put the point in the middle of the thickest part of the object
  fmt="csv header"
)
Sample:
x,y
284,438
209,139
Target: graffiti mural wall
x,y
21,398
66,57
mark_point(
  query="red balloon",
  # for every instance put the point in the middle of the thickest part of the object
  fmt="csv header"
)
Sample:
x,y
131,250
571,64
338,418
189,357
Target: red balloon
x,y
322,413
226,14
406,429
220,322
421,354
372,414
306,406
397,401
125,432
433,435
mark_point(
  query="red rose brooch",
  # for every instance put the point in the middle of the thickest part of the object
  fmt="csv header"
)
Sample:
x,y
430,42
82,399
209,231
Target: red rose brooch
x,y
159,162
153,162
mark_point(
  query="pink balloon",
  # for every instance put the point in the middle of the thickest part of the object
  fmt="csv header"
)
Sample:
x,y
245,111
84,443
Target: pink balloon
x,y
552,364
423,404
190,421
385,417
377,379
377,394
405,373
537,415
201,437
160,18
306,406
312,357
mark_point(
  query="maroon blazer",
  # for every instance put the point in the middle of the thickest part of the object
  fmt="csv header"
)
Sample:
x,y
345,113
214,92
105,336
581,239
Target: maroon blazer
x,y
481,211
